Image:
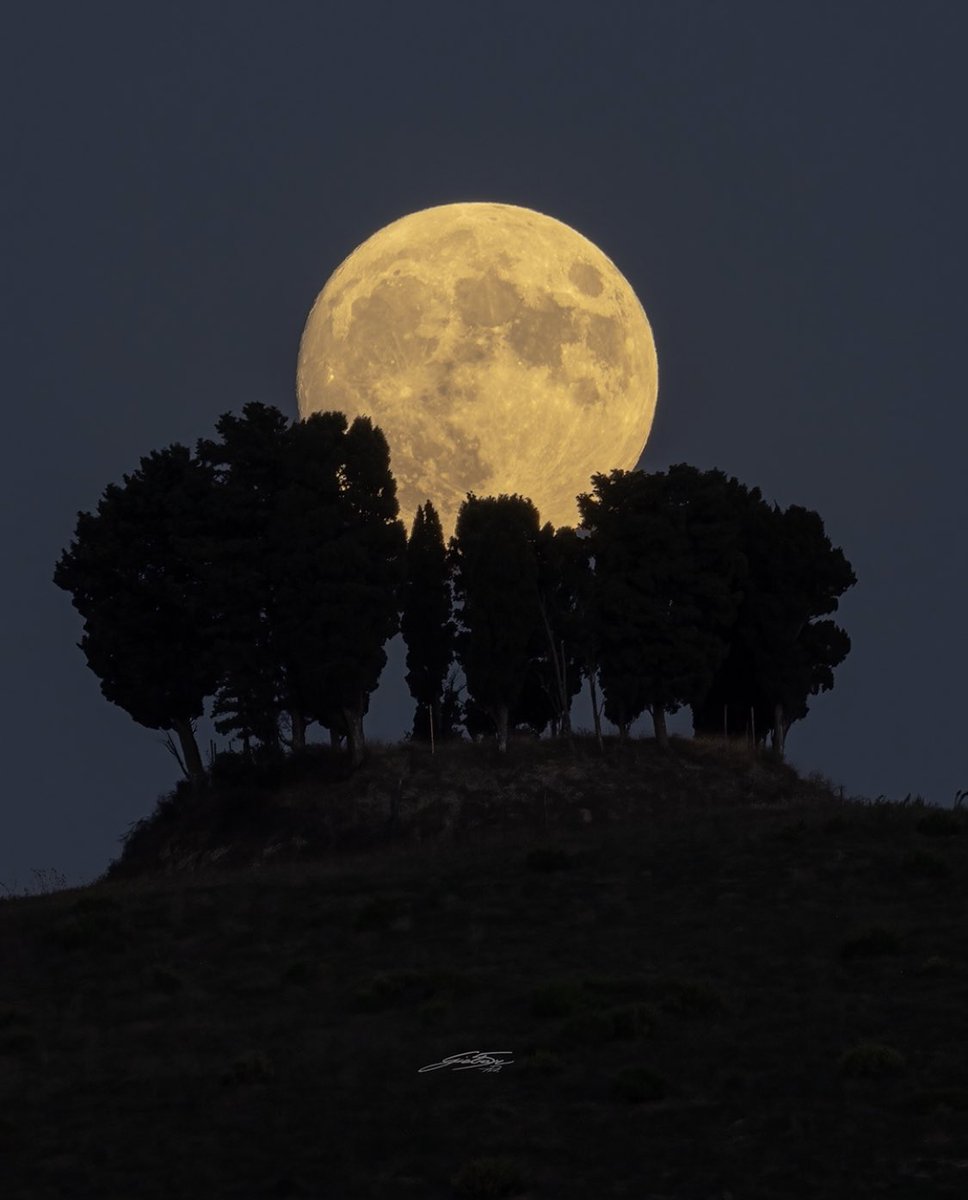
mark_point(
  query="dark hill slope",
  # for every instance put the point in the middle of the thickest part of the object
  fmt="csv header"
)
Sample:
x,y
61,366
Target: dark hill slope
x,y
727,982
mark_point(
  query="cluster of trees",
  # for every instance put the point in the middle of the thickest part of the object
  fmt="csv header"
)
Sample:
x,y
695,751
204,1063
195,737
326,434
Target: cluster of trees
x,y
265,573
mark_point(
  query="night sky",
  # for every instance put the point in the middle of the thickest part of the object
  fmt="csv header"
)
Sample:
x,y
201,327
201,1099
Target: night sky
x,y
783,184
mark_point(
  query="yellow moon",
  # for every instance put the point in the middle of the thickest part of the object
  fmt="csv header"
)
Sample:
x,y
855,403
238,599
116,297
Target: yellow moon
x,y
499,351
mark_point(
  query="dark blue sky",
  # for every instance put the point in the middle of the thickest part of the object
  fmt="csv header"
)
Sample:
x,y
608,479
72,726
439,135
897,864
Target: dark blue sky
x,y
782,184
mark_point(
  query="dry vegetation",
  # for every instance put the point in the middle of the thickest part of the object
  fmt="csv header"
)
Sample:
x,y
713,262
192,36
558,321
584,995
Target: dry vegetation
x,y
715,979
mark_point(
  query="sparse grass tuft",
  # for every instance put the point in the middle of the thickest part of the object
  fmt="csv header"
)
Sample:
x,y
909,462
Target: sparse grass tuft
x,y
46,881
96,902
923,864
931,1100
936,967
489,1179
688,998
249,1068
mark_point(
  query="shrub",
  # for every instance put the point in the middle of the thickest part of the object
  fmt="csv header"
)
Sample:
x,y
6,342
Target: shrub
x,y
927,1102
88,930
12,1014
376,913
557,998
18,1041
586,1028
543,1062
924,865
301,971
162,978
940,823
870,1060
389,988
484,1178
96,902
628,987
548,858
872,942
687,998
639,1085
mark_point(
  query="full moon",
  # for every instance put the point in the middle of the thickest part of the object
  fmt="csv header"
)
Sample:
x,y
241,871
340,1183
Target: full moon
x,y
499,350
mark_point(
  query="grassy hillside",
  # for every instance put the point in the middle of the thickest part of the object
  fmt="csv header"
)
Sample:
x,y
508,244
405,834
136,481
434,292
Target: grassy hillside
x,y
713,979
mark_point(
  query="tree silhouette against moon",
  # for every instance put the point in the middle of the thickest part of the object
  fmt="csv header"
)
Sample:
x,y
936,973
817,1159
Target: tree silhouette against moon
x,y
499,351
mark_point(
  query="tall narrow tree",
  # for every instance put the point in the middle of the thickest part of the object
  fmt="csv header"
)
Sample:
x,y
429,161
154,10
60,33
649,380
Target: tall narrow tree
x,y
562,575
426,620
496,582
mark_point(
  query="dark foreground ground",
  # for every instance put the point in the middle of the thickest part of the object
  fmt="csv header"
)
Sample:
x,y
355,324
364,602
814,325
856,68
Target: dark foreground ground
x,y
717,981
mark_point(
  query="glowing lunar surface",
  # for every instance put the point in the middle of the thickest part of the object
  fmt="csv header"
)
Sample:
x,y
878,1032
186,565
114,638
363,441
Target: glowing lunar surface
x,y
497,349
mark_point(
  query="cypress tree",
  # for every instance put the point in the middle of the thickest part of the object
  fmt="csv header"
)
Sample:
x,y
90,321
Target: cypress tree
x,y
426,620
496,582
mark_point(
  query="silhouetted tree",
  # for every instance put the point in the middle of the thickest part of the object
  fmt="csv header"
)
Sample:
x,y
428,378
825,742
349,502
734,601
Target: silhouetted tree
x,y
249,463
308,566
563,573
426,621
779,652
137,574
496,582
340,561
667,566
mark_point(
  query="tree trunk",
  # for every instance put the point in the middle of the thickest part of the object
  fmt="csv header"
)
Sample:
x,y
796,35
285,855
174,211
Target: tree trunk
x,y
434,725
557,655
298,729
190,752
502,728
354,734
659,721
779,730
596,715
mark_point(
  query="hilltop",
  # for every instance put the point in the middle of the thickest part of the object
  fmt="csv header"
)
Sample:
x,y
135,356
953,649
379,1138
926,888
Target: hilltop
x,y
712,978
314,806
